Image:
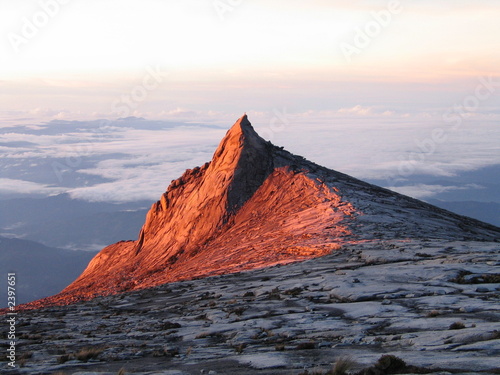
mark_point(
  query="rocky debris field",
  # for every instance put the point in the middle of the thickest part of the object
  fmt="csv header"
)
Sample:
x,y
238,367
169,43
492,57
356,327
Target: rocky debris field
x,y
433,304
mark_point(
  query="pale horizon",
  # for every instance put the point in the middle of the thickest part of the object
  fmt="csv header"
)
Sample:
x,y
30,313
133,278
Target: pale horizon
x,y
82,57
369,88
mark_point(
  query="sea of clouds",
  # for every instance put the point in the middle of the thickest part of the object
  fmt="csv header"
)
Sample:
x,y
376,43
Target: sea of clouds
x,y
133,159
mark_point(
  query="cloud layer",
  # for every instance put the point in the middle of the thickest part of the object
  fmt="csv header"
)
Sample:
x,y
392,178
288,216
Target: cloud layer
x,y
133,159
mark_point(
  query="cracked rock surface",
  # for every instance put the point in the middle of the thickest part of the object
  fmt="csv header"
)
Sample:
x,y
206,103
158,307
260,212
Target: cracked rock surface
x,y
434,304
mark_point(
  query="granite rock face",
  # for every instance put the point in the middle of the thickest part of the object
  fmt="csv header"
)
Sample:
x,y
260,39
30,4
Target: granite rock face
x,y
434,304
256,205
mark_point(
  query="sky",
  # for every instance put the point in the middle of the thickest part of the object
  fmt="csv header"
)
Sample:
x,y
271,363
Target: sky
x,y
383,90
73,59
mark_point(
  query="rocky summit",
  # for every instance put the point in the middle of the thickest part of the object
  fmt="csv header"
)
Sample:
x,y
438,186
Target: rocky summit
x,y
386,284
256,205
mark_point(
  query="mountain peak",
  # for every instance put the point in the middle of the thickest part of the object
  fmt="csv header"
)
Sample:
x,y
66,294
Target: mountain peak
x,y
203,200
243,121
243,125
241,136
244,160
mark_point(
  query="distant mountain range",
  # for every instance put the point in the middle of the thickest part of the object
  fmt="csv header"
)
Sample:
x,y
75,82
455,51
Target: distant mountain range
x,y
60,221
488,212
40,271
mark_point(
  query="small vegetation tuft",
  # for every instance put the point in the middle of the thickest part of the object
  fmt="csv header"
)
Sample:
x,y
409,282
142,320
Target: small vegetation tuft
x,y
294,291
433,314
274,294
460,278
64,358
169,325
342,366
487,278
237,311
86,354
314,372
387,364
239,348
390,363
279,347
306,345
457,325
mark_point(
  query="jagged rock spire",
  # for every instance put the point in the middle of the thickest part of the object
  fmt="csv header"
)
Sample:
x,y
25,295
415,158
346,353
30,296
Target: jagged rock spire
x,y
202,200
245,160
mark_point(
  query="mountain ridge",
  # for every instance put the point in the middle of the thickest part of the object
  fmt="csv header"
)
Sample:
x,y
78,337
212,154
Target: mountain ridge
x,y
38,275
256,205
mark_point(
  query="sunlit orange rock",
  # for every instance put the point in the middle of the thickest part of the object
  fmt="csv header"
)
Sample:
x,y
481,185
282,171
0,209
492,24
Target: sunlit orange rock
x,y
256,205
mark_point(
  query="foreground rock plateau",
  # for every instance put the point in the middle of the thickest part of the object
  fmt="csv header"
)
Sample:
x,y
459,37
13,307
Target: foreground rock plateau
x,y
434,304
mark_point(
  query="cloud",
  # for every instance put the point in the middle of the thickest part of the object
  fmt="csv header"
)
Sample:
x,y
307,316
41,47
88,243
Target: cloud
x,y
13,186
391,145
357,110
421,191
141,178
134,158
